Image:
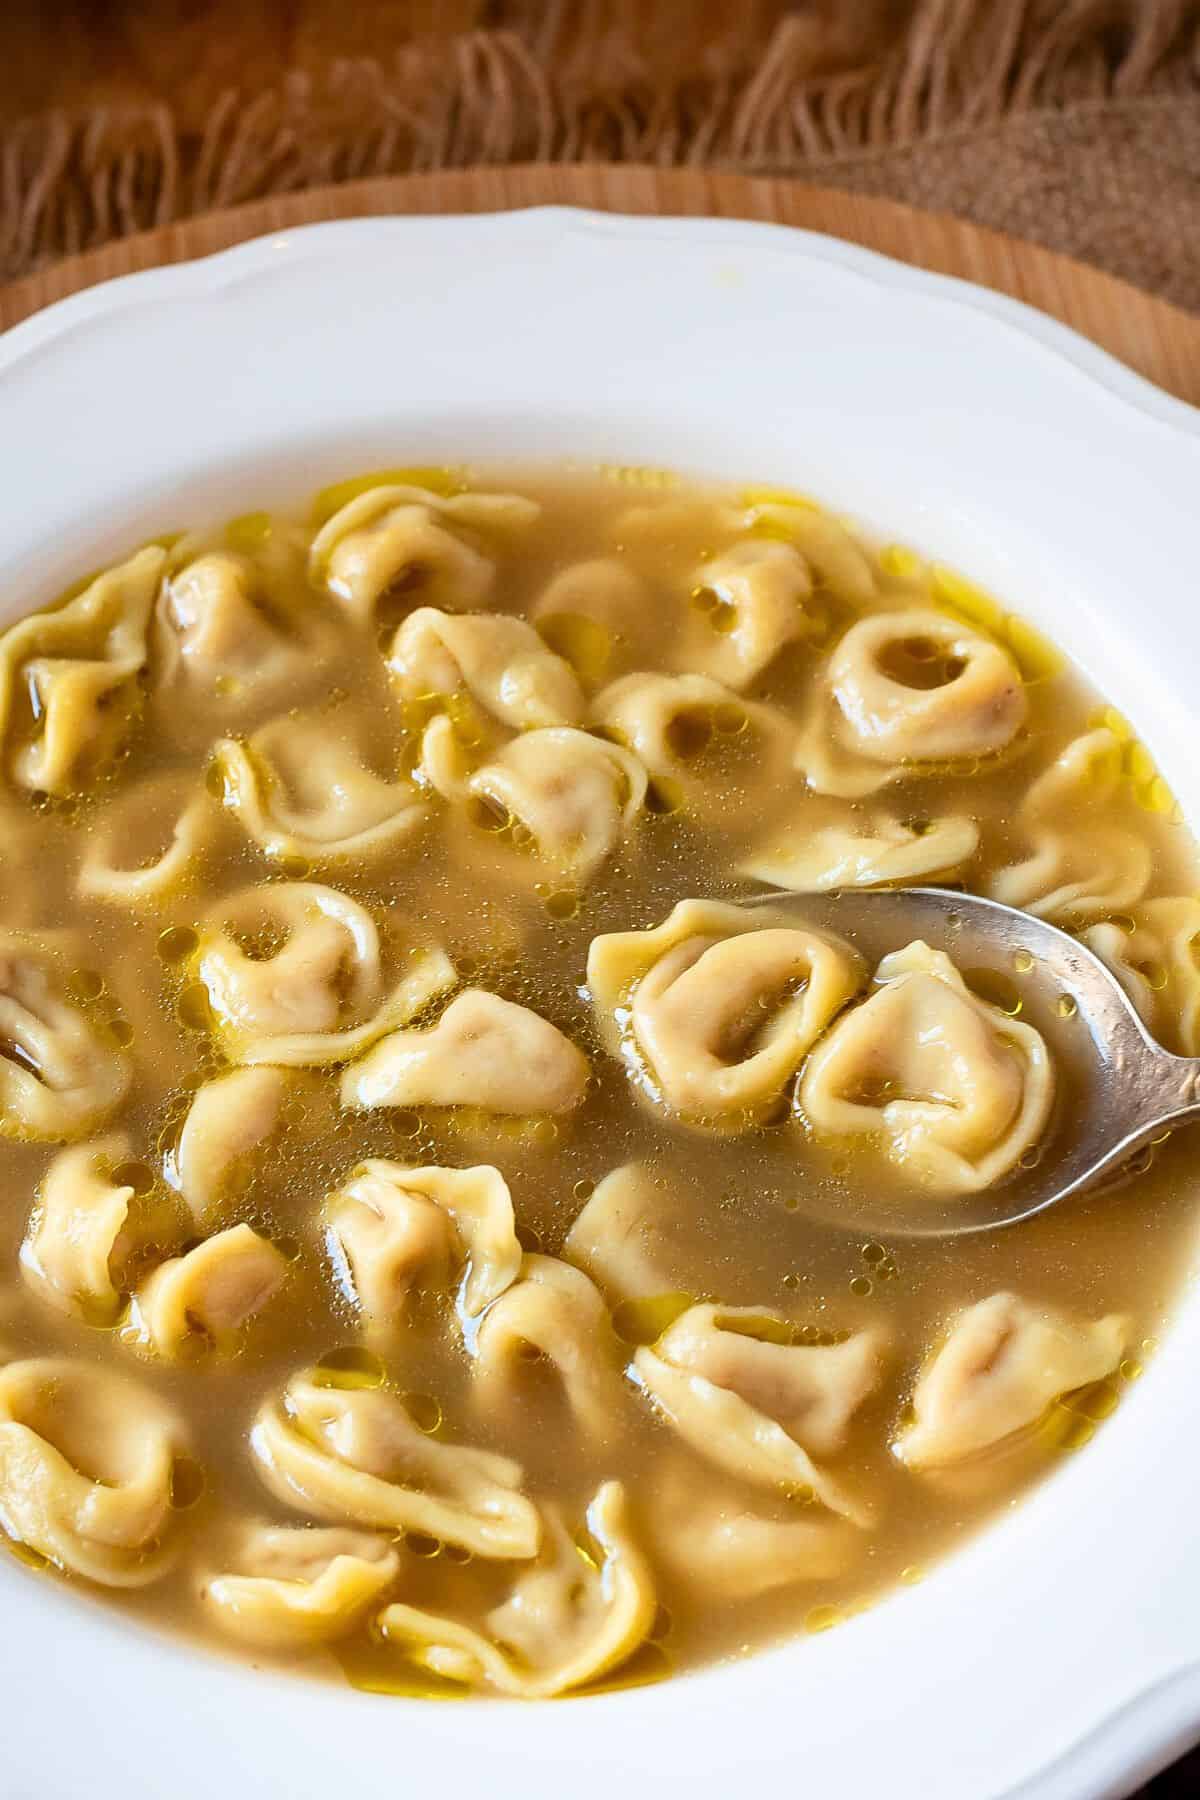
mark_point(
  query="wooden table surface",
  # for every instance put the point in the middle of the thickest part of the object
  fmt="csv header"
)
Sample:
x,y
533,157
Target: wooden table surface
x,y
1152,337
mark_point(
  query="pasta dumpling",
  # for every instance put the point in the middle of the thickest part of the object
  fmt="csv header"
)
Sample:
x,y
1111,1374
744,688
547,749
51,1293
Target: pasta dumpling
x,y
392,1228
953,1088
483,1052
598,615
812,1390
199,1301
718,1007
500,662
69,679
148,842
229,1118
623,1236
733,1552
86,1460
556,1312
571,796
400,539
301,790
672,722
760,587
1159,964
59,1077
875,851
839,566
1004,1362
1074,876
292,973
219,636
569,1619
737,1436
78,1231
293,1586
355,1454
907,689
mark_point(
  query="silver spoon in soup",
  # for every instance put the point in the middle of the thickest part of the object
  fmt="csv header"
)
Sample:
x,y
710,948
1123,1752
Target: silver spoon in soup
x,y
1117,1088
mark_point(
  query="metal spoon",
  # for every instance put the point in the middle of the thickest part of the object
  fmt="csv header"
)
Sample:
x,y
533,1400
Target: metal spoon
x,y
1124,1088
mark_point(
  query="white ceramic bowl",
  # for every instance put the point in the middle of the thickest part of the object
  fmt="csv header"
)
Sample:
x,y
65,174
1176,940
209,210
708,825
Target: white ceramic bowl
x,y
1057,1656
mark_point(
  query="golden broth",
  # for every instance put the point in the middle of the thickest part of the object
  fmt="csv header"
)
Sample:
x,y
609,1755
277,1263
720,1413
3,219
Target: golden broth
x,y
745,1233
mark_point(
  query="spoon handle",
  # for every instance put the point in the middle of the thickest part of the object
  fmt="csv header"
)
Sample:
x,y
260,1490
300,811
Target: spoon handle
x,y
1158,1091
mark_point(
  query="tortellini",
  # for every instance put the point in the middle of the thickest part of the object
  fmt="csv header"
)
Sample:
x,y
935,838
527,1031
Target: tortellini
x,y
572,796
717,1007
812,1390
500,662
760,588
392,1228
1158,965
623,1237
597,615
401,539
1005,1361
953,1088
293,975
904,690
671,722
1080,867
59,1075
840,566
86,1462
738,1553
79,1230
293,1586
483,1052
554,1311
569,1619
355,1454
69,679
737,1436
301,790
220,637
148,843
200,1300
230,1117
876,851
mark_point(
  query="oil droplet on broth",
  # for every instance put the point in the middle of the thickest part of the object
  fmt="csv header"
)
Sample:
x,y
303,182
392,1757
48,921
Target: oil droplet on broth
x,y
822,1618
193,1009
424,1411
136,1175
187,1483
644,1321
25,1553
176,943
349,1366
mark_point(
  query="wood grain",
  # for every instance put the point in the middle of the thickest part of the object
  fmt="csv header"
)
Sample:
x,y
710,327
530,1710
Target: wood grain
x,y
1152,337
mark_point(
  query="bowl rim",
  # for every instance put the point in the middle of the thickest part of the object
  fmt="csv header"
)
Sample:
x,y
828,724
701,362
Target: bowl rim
x,y
1129,1733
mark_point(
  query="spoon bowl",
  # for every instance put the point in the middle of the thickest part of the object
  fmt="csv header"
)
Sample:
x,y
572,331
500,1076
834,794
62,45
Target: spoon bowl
x,y
1126,1088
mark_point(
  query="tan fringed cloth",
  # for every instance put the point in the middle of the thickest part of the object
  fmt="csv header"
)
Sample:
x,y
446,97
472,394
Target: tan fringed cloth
x,y
1075,123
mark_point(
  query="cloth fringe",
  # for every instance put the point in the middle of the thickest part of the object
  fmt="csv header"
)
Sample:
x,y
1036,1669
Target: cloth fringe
x,y
579,83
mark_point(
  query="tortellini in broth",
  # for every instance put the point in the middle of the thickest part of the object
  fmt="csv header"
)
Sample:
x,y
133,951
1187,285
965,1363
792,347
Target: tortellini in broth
x,y
69,679
86,1460
718,1007
955,1089
302,792
59,1074
432,1257
294,974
